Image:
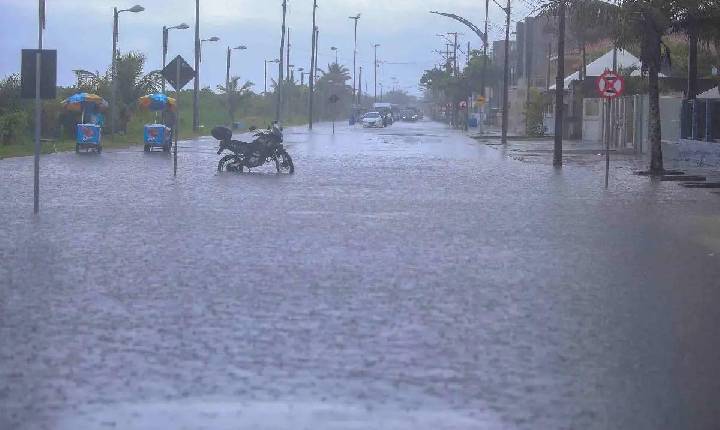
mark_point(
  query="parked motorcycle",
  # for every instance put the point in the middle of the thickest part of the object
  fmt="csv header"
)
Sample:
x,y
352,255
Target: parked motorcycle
x,y
266,147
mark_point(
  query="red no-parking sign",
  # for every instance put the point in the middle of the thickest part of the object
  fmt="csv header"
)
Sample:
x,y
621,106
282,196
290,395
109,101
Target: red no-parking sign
x,y
610,85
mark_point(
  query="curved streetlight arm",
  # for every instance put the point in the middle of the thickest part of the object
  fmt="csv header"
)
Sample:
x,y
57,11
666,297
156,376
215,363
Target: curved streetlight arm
x,y
135,9
469,24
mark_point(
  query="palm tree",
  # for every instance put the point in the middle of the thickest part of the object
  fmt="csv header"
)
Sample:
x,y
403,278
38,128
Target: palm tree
x,y
588,21
132,84
700,21
334,81
336,72
235,95
644,23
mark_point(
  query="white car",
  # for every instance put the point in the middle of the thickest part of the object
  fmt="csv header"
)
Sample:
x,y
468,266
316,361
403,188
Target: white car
x,y
372,119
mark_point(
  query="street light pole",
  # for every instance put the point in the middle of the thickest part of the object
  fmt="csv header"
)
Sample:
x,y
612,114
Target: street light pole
x,y
197,74
302,75
266,71
227,75
196,83
38,109
166,36
485,49
376,68
113,72
311,81
332,48
280,65
355,18
113,109
164,54
506,76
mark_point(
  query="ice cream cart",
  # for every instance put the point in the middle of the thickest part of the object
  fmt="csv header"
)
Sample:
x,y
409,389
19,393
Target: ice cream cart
x,y
88,134
158,135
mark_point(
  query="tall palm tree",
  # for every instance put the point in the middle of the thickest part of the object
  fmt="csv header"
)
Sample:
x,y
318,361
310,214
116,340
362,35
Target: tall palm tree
x,y
700,21
235,95
336,72
132,83
644,23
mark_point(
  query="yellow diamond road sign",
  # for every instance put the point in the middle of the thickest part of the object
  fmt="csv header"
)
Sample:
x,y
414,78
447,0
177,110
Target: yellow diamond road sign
x,y
480,99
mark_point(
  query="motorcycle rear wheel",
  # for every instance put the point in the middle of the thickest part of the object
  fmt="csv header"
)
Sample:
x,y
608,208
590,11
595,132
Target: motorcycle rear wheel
x,y
283,163
227,160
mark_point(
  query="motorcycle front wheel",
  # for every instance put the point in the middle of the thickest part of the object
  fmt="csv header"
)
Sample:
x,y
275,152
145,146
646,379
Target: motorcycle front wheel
x,y
230,163
284,163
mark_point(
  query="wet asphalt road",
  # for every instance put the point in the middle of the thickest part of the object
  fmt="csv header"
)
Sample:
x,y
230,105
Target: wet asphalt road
x,y
405,278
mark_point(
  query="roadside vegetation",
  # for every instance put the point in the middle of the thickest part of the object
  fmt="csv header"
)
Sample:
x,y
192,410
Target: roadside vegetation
x,y
239,104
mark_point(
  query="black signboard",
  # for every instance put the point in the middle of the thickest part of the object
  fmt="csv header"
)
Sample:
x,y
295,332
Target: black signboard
x,y
334,99
48,74
185,73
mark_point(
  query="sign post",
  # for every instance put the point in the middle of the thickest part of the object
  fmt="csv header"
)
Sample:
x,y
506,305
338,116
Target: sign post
x,y
610,85
38,82
334,99
178,73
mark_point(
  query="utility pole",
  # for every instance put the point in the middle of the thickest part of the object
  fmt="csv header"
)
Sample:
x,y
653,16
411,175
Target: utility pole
x,y
559,87
455,50
287,75
692,62
360,87
506,77
469,99
317,48
196,83
549,60
448,62
356,19
485,51
281,64
311,81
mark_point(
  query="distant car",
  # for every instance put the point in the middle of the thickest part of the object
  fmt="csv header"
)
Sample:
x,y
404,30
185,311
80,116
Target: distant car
x,y
372,119
409,116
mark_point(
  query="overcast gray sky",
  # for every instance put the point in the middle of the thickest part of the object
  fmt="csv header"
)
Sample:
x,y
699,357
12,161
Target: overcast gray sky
x,y
81,31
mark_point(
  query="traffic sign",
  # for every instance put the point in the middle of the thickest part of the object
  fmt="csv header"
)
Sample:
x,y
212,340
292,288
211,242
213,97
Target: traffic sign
x,y
463,105
48,74
178,73
480,99
610,85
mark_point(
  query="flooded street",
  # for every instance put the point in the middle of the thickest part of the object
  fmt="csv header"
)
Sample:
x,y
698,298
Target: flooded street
x,y
402,278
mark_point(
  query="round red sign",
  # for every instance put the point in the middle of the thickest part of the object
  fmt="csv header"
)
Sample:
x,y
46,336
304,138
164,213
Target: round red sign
x,y
610,85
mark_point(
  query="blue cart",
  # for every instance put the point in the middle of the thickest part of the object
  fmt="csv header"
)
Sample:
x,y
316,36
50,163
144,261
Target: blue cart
x,y
157,136
89,138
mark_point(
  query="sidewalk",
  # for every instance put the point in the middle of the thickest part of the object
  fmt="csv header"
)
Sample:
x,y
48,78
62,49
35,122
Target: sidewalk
x,y
578,153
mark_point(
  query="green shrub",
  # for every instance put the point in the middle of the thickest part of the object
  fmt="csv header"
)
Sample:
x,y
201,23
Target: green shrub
x,y
534,114
12,126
